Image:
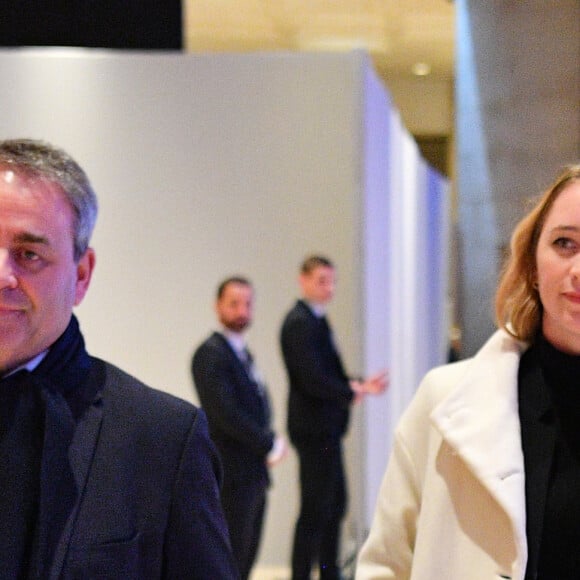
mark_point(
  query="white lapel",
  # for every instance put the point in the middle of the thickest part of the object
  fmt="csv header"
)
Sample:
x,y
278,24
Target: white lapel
x,y
479,419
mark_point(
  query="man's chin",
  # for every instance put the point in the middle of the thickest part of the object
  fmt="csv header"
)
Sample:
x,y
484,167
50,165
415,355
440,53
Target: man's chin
x,y
238,327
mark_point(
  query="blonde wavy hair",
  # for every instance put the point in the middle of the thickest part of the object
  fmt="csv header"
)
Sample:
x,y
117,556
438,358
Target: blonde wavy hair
x,y
518,308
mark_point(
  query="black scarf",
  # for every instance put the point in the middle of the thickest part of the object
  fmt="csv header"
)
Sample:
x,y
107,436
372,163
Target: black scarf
x,y
39,412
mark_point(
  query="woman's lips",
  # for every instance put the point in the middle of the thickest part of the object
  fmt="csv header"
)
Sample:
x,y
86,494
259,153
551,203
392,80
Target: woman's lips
x,y
573,297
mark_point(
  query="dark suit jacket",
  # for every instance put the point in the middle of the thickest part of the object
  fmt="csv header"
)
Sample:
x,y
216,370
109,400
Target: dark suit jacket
x,y
149,503
238,415
320,393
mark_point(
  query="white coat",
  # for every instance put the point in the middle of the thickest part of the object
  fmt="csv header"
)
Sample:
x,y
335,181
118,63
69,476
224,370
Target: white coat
x,y
452,502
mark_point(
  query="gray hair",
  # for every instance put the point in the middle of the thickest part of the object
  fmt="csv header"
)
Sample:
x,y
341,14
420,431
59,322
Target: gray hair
x,y
38,159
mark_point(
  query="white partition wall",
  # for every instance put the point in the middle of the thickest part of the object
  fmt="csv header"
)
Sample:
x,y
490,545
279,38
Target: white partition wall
x,y
405,241
207,166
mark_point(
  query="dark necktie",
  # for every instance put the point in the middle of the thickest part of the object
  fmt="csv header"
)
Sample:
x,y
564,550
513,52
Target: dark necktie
x,y
248,362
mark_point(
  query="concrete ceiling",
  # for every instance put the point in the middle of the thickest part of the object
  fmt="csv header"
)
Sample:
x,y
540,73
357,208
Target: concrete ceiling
x,y
397,33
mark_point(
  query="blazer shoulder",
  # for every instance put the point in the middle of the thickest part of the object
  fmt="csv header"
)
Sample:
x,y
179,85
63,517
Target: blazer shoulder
x,y
300,310
128,396
215,342
215,349
489,373
438,381
298,315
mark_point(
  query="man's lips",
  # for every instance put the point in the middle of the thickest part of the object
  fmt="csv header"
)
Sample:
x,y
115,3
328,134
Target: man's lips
x,y
9,310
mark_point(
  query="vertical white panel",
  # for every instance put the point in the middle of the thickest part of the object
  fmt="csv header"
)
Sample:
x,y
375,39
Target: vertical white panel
x,y
378,257
411,227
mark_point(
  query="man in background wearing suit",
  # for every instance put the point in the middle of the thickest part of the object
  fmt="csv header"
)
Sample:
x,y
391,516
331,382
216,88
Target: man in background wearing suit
x,y
318,411
236,402
100,475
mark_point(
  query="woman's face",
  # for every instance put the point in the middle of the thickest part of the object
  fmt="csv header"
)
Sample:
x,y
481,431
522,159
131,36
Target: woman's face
x,y
558,271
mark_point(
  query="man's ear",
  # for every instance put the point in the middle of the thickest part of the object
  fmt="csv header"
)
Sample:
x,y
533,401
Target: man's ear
x,y
85,267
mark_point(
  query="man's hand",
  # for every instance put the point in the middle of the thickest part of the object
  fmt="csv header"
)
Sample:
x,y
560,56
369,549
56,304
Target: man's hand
x,y
373,385
376,384
278,452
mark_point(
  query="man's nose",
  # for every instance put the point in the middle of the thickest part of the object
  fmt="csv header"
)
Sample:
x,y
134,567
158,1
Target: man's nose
x,y
244,311
7,275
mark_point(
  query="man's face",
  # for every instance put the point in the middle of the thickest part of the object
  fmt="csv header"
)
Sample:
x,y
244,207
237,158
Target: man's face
x,y
318,285
234,307
39,280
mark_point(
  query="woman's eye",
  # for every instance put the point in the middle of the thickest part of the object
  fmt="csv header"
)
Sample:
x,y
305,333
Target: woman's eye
x,y
565,243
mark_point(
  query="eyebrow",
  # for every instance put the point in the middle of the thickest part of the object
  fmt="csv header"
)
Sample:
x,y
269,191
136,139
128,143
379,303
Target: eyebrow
x,y
565,228
29,238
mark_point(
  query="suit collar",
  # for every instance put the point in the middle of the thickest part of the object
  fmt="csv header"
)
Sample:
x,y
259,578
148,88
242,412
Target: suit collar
x,y
318,310
304,306
237,340
66,384
479,420
226,344
230,351
81,454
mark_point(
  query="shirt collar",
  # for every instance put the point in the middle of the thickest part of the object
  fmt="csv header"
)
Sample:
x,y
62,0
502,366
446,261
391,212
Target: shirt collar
x,y
237,340
30,365
319,310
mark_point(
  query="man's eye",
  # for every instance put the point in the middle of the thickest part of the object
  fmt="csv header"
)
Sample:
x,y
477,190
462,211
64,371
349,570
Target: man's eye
x,y
29,256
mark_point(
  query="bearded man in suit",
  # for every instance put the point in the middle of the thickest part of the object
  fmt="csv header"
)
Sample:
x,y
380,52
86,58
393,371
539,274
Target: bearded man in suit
x,y
234,396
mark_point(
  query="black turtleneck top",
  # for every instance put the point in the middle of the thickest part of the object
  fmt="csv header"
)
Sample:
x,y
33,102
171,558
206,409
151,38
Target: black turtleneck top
x,y
549,391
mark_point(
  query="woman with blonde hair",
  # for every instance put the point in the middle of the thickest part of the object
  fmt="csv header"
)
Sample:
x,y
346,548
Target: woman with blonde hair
x,y
484,477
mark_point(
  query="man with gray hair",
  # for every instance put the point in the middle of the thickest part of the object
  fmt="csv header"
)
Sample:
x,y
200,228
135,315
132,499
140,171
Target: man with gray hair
x,y
101,476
